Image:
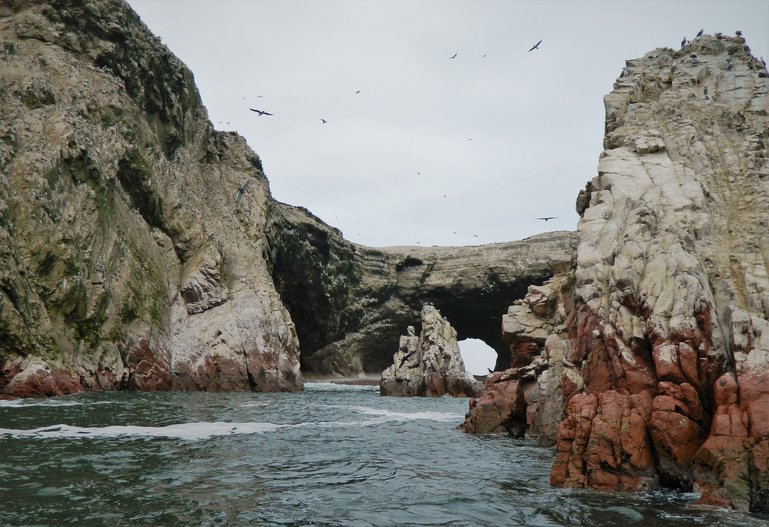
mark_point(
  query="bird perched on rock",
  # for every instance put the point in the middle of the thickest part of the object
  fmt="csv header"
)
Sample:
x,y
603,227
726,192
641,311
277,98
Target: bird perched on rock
x,y
535,46
411,331
699,34
683,42
705,91
673,67
738,33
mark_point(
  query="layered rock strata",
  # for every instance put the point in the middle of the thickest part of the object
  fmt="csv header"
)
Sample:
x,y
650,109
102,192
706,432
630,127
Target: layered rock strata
x,y
671,287
350,302
429,364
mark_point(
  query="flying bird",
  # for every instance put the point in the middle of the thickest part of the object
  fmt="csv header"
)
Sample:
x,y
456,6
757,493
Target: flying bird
x,y
260,112
548,218
406,357
357,92
453,56
700,33
324,121
242,190
535,46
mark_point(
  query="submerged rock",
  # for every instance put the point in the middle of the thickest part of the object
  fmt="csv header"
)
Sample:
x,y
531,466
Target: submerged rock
x,y
430,364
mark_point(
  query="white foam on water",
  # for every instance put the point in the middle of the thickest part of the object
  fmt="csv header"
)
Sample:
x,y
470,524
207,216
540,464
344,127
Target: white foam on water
x,y
389,415
189,431
24,403
339,387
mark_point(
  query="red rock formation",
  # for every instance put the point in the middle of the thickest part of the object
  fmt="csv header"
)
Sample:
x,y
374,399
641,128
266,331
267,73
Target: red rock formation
x,y
669,327
670,319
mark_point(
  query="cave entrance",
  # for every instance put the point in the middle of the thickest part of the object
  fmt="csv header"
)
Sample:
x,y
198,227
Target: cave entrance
x,y
479,357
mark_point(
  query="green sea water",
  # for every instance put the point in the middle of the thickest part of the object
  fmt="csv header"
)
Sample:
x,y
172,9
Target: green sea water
x,y
330,456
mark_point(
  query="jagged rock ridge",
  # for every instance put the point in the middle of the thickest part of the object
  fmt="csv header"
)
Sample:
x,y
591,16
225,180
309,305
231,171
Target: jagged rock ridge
x,y
667,318
429,364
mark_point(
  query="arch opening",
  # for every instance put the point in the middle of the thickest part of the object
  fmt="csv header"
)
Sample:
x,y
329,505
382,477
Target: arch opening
x,y
479,357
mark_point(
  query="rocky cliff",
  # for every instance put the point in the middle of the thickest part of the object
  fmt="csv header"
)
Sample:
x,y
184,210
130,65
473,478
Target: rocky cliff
x,y
350,303
140,248
661,353
129,258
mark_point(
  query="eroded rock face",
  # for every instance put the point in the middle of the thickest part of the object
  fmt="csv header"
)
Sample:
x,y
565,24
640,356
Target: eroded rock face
x,y
671,280
528,398
670,307
350,302
125,259
430,364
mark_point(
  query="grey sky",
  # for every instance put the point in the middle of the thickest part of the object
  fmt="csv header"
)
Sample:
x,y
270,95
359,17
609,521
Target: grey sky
x,y
395,165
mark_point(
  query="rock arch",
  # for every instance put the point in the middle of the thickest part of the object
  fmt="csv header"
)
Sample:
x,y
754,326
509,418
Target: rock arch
x,y
350,303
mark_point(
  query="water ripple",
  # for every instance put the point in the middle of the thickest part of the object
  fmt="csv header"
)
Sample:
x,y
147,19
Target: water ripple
x,y
331,456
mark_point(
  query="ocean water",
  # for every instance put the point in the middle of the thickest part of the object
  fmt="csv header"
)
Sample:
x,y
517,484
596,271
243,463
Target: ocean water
x,y
331,456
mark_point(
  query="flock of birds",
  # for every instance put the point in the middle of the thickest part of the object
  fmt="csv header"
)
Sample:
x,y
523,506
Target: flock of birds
x,y
260,113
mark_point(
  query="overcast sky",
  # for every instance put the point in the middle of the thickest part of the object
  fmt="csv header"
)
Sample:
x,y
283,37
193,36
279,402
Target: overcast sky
x,y
433,150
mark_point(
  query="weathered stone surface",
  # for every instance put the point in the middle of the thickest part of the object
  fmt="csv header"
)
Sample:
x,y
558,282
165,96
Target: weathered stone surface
x,y
670,300
125,260
350,302
528,398
671,277
430,364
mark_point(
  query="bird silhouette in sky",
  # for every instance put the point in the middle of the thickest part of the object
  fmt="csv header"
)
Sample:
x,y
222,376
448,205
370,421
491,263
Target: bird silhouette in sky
x,y
548,218
535,46
453,56
324,121
357,92
260,112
